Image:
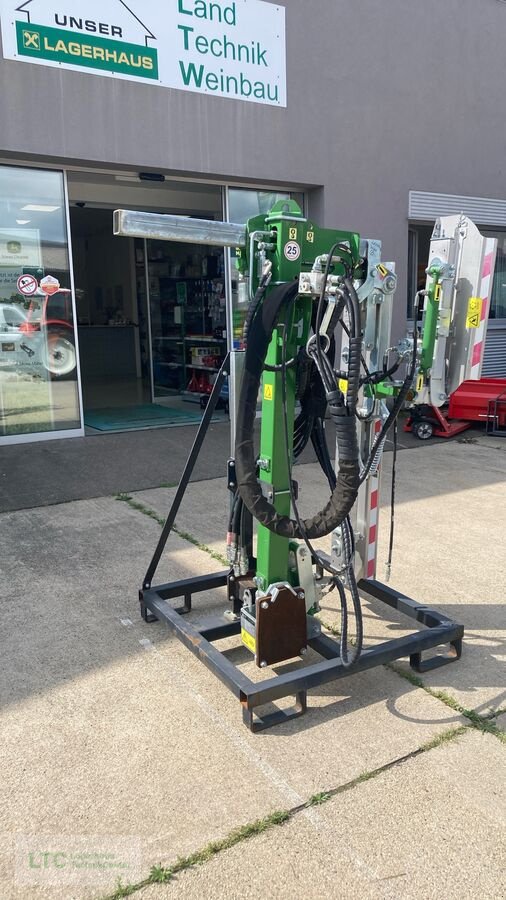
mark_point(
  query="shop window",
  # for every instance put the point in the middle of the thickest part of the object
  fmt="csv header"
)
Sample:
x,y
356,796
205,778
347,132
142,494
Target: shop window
x,y
38,360
419,237
418,257
498,299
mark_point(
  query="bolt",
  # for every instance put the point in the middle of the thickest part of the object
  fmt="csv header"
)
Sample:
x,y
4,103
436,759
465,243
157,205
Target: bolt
x,y
231,484
264,605
303,651
263,664
231,578
300,595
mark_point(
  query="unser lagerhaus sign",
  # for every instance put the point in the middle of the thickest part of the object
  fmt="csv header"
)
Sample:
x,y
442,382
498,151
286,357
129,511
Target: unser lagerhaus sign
x,y
228,48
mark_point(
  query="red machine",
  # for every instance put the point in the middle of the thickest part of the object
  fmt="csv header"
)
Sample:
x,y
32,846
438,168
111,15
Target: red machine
x,y
473,401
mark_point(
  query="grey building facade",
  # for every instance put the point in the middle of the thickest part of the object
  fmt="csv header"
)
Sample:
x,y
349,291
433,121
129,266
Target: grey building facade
x,y
394,114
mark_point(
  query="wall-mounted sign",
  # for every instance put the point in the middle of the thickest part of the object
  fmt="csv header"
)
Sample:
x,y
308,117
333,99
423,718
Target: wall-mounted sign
x,y
19,247
229,48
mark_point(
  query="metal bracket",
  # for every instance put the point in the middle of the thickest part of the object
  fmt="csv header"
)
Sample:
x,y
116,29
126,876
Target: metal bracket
x,y
270,492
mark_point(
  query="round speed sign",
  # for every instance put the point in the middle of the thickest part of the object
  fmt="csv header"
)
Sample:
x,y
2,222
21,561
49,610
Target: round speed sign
x,y
292,250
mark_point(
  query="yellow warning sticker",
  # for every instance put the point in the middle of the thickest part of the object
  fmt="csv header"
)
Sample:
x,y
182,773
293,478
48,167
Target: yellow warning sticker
x,y
248,640
343,385
419,383
437,292
382,270
310,237
268,392
292,234
474,312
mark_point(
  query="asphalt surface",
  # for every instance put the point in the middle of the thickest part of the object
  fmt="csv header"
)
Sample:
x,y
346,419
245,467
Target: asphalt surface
x,y
58,471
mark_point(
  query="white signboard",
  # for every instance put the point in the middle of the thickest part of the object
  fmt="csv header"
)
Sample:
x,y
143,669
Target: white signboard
x,y
225,48
20,247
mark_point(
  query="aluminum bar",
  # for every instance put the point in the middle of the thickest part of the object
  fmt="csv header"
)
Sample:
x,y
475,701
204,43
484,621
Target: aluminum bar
x,y
183,229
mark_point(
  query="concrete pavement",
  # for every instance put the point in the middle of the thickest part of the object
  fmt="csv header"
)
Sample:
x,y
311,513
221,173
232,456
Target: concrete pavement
x,y
115,738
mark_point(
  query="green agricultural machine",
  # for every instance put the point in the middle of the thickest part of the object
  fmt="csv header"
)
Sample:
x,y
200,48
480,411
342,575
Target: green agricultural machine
x,y
315,349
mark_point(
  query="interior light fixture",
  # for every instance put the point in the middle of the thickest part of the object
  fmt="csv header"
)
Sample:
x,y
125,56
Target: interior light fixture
x,y
142,176
151,176
132,179
39,207
23,221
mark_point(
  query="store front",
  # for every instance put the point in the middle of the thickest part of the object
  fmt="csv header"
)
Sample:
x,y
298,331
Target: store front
x,y
135,331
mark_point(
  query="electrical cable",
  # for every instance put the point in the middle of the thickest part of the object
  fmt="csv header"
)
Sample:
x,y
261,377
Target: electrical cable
x,y
319,560
345,493
388,566
399,400
263,284
319,313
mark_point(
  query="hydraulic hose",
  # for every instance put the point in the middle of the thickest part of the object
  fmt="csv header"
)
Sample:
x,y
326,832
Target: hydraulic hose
x,y
348,478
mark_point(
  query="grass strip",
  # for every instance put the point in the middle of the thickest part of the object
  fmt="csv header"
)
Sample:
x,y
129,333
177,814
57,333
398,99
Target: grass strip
x,y
185,535
163,874
481,723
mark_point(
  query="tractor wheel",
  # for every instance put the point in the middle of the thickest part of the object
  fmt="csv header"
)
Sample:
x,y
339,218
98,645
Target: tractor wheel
x,y
59,355
423,429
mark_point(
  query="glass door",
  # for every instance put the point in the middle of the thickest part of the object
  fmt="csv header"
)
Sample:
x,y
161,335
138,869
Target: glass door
x,y
186,289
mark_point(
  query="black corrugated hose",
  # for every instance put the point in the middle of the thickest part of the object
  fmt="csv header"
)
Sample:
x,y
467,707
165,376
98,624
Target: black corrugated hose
x,y
344,491
348,479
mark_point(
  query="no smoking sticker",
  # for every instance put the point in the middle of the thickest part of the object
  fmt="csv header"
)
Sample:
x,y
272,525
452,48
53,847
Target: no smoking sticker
x,y
292,250
27,285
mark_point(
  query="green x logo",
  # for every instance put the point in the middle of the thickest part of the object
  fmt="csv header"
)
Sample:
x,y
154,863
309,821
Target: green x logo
x,y
31,40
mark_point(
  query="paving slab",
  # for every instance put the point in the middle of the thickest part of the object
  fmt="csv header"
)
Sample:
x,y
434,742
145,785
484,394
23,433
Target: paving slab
x,y
450,538
433,826
450,543
290,862
91,743
111,729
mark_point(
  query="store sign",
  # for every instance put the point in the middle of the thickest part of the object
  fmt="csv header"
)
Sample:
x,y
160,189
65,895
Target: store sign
x,y
230,48
19,247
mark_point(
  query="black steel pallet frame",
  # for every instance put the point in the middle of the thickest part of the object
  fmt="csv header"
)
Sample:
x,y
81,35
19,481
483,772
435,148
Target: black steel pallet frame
x,y
253,695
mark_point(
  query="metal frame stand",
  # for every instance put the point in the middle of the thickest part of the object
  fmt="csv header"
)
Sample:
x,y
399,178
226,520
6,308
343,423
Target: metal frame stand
x,y
253,695
496,415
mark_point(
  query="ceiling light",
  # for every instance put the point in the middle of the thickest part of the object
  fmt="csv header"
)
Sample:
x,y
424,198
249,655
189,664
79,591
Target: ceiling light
x,y
151,176
39,207
23,221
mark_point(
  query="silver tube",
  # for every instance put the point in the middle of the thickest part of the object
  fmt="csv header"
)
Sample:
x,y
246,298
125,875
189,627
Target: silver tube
x,y
131,223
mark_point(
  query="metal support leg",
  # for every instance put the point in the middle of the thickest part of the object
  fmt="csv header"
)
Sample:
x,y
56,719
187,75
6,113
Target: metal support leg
x,y
255,722
435,662
187,472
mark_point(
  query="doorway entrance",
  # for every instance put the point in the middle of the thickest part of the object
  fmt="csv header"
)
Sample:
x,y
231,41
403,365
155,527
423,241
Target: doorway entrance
x,y
151,314
112,374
